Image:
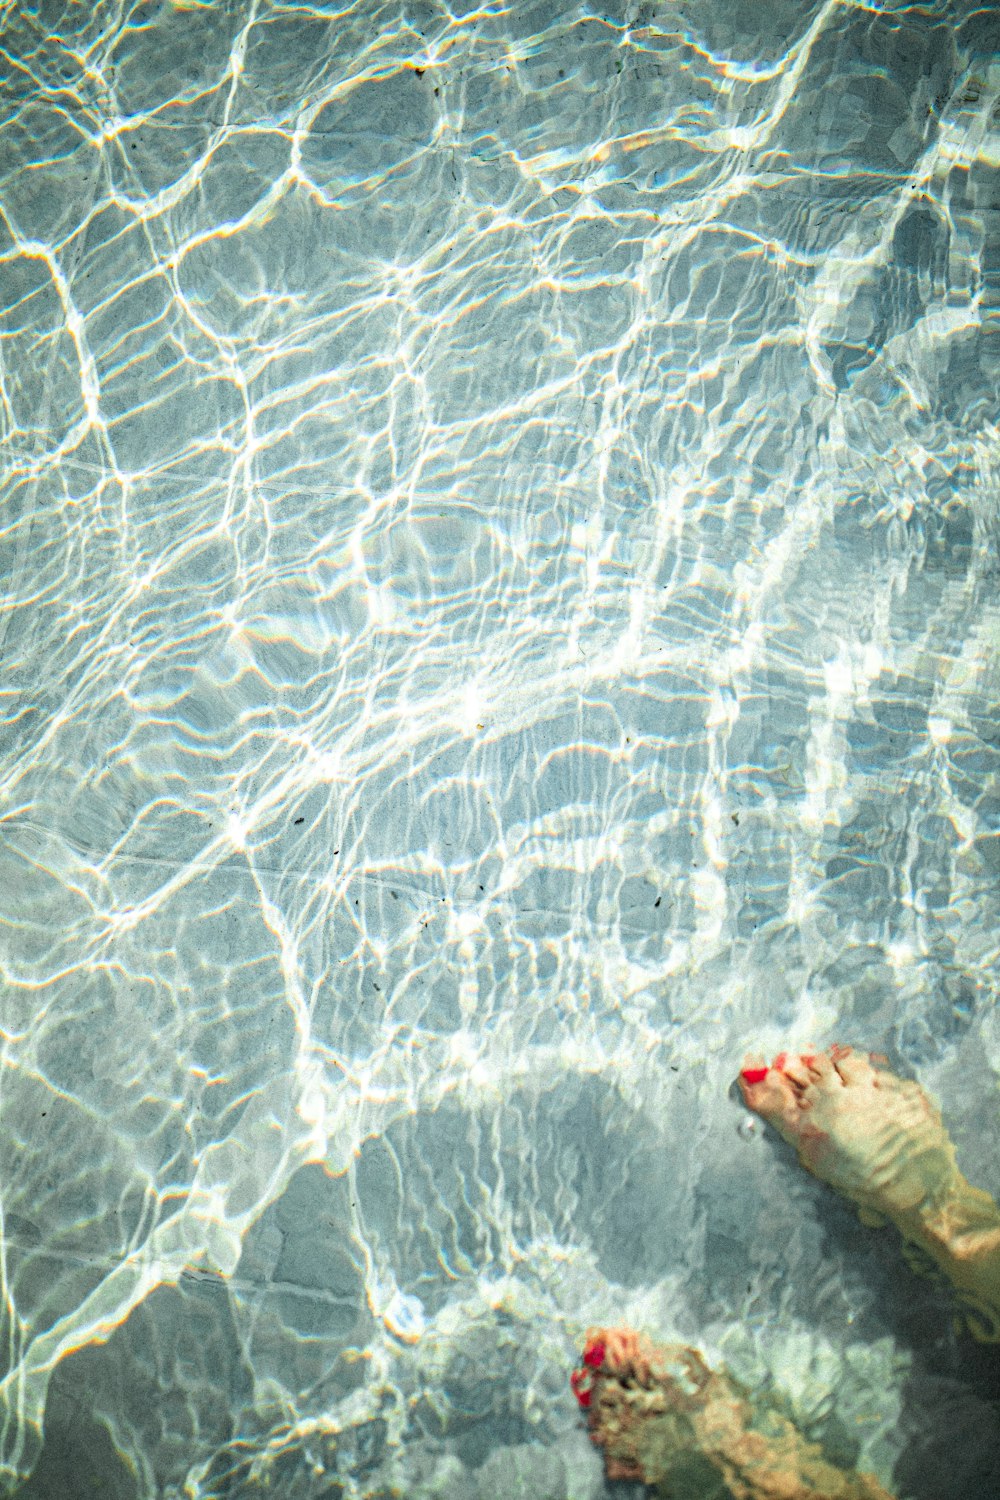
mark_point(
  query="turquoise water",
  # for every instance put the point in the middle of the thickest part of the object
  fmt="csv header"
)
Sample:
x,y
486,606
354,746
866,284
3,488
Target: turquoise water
x,y
498,617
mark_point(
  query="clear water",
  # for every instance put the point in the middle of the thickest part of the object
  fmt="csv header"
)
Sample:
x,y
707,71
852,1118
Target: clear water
x,y
499,617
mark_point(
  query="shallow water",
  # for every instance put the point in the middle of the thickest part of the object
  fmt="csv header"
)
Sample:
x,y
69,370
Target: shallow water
x,y
499,617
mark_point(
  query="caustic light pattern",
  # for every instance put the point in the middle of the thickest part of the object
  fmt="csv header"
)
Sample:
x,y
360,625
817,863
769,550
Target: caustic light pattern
x,y
498,619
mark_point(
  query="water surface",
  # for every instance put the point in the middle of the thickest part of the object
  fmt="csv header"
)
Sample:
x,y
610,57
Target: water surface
x,y
499,616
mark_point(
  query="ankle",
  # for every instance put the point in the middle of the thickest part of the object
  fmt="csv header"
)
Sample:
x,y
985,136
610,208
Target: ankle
x,y
960,1226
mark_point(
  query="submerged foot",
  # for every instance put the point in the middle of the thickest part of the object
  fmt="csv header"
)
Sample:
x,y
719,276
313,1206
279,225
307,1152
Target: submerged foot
x,y
874,1137
880,1141
660,1414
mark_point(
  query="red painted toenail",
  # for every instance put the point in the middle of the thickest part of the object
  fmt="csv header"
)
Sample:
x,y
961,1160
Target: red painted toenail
x,y
583,1393
754,1075
593,1355
779,1061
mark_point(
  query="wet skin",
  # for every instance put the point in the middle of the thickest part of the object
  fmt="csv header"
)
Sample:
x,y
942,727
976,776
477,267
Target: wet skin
x,y
880,1141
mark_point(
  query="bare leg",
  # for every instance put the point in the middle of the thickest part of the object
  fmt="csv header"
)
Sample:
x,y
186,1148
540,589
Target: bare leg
x,y
661,1415
879,1141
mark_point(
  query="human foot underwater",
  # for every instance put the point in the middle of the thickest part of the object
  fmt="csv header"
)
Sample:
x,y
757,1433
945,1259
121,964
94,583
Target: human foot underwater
x,y
879,1140
660,1414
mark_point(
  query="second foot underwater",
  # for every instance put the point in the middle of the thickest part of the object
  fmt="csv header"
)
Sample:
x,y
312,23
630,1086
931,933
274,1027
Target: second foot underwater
x,y
660,1414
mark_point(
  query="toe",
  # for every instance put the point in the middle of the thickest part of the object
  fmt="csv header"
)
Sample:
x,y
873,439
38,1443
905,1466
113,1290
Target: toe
x,y
772,1095
854,1068
822,1069
754,1083
797,1067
